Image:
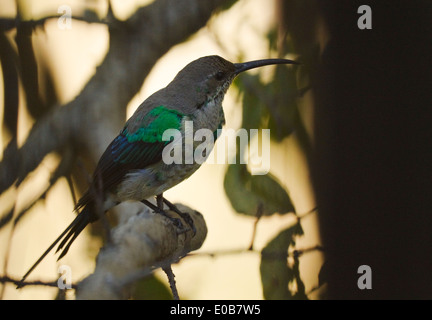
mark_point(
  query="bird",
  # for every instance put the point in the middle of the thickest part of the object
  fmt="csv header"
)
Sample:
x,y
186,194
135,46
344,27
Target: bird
x,y
132,168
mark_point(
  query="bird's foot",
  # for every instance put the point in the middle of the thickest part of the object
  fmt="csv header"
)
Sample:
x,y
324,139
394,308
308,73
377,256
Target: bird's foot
x,y
185,216
175,221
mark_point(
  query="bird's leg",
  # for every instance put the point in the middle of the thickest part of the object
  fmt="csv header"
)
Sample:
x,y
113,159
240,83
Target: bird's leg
x,y
177,222
186,217
159,201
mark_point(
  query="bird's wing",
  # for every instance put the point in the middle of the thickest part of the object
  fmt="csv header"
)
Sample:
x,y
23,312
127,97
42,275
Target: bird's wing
x,y
132,150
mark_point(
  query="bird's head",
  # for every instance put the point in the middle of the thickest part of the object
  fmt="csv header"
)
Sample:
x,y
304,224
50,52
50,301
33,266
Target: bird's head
x,y
200,86
211,76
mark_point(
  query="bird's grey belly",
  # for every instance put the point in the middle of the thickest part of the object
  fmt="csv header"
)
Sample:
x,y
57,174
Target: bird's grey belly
x,y
153,180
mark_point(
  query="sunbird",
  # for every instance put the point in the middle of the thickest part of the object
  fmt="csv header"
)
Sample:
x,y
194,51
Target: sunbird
x,y
132,168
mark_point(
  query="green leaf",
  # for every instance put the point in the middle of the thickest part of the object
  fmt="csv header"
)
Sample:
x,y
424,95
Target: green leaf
x,y
272,37
276,274
283,240
252,112
282,102
151,288
300,294
271,194
247,192
236,180
253,100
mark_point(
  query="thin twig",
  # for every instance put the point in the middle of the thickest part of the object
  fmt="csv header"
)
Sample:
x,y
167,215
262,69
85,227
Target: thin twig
x,y
7,279
171,280
222,252
299,252
258,215
294,253
305,214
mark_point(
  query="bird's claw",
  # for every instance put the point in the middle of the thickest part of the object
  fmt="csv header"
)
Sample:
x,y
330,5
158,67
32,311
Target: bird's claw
x,y
178,224
175,221
187,218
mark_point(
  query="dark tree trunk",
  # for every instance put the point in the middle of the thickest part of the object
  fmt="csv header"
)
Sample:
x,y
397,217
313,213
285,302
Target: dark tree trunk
x,y
373,164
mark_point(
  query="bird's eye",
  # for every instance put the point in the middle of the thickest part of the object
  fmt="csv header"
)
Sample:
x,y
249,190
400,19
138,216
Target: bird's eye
x,y
219,76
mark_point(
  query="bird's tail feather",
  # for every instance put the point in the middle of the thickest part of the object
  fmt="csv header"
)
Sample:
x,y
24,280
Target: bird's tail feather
x,y
67,237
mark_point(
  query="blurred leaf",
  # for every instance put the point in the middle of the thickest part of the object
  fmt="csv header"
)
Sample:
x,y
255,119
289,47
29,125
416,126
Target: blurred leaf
x,y
300,294
282,104
247,192
299,19
276,101
91,15
282,241
271,194
227,5
284,111
151,288
271,105
276,274
252,111
272,37
249,86
235,184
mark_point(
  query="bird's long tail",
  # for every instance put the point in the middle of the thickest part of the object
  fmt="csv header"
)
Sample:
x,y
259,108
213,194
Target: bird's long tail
x,y
67,237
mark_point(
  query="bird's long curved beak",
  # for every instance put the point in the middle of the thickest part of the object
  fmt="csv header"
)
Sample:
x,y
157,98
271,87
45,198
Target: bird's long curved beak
x,y
240,67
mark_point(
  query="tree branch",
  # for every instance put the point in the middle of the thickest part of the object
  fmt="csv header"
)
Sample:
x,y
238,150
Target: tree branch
x,y
139,245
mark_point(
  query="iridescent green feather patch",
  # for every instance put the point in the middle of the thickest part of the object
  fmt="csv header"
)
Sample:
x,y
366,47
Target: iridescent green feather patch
x,y
163,119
